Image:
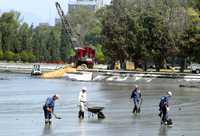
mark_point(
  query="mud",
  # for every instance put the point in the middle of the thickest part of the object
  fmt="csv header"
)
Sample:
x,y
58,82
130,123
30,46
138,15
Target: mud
x,y
22,97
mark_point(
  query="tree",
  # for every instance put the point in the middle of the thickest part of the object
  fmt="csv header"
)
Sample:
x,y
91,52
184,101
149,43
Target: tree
x,y
25,37
191,37
65,46
82,19
136,33
53,46
0,41
114,32
156,37
93,36
40,40
9,23
195,4
36,45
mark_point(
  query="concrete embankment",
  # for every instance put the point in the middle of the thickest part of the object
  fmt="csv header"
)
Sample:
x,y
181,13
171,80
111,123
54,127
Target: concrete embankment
x,y
144,74
56,70
26,68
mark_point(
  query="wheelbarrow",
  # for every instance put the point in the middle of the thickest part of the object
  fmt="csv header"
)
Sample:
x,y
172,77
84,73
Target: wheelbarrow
x,y
97,111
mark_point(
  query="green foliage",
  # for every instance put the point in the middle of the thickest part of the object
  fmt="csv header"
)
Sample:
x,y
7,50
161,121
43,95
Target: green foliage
x,y
25,38
151,31
192,35
143,31
53,46
99,54
17,57
115,30
195,4
65,45
9,23
0,41
24,56
27,56
82,19
1,54
9,55
93,36
70,52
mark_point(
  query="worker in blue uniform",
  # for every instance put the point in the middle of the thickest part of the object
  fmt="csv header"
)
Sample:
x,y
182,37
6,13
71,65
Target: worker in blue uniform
x,y
48,108
136,96
164,107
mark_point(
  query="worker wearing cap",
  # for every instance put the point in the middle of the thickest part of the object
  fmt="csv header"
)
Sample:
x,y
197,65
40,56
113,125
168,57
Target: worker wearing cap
x,y
164,107
48,108
82,102
137,99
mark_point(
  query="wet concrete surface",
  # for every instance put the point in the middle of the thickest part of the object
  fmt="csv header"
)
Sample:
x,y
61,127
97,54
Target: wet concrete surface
x,y
22,97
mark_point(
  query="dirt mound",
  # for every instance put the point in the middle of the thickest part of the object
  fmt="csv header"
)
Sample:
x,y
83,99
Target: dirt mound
x,y
58,73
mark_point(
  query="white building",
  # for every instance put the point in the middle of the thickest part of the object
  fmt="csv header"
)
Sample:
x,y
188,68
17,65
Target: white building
x,y
91,4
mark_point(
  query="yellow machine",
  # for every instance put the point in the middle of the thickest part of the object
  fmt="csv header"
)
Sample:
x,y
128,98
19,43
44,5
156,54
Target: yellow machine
x,y
129,65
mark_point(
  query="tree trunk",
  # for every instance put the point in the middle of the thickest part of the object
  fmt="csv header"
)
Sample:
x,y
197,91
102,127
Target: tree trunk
x,y
157,68
123,65
183,64
145,66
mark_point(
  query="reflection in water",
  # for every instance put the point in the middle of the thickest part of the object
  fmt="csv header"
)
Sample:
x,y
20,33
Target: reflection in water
x,y
163,130
47,130
82,127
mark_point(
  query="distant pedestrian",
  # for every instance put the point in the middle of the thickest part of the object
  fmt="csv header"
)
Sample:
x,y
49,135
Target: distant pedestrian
x,y
136,96
164,109
82,102
48,108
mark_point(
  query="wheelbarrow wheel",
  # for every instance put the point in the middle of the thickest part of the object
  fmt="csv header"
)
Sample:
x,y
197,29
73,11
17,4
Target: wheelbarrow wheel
x,y
100,115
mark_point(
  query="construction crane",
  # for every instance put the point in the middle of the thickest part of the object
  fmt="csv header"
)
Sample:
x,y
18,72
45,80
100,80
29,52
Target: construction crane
x,y
67,27
83,55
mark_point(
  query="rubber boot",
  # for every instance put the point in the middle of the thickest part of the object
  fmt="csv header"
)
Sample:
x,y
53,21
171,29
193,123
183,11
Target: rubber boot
x,y
50,122
46,121
81,115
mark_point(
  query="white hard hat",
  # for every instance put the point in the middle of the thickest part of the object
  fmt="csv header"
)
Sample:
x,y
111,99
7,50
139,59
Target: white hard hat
x,y
136,86
84,88
169,93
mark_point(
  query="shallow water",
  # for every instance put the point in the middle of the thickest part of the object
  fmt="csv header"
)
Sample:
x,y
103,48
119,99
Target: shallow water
x,y
22,97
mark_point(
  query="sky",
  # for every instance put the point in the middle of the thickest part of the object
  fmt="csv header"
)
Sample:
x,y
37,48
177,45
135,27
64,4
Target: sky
x,y
34,11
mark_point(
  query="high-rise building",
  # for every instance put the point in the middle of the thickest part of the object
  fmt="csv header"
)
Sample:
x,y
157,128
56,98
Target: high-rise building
x,y
91,4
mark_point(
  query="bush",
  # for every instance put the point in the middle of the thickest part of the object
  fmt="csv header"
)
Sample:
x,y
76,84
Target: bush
x,y
100,58
24,56
27,56
99,54
31,57
9,55
17,57
1,55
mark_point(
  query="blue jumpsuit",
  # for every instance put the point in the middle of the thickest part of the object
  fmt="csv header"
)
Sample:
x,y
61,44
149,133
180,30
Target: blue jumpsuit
x,y
48,104
164,104
136,96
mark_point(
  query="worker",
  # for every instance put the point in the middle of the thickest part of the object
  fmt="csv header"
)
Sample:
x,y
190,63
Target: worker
x,y
82,102
137,99
164,108
48,108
